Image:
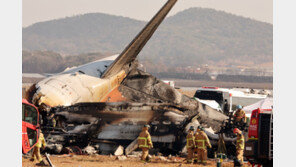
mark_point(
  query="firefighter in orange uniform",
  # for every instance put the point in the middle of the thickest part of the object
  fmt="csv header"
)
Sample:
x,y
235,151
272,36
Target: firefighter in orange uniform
x,y
240,115
240,145
145,143
36,150
195,149
190,144
201,143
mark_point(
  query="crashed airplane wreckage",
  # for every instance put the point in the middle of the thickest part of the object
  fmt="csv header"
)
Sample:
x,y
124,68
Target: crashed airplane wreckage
x,y
121,122
105,103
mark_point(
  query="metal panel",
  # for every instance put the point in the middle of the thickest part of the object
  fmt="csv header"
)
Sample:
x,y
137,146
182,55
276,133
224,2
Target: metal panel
x,y
64,89
264,135
251,148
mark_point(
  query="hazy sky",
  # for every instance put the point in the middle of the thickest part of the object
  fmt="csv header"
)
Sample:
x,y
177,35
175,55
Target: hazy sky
x,y
43,10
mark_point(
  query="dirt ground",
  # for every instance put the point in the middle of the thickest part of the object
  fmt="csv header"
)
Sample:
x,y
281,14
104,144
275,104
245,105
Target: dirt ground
x,y
112,161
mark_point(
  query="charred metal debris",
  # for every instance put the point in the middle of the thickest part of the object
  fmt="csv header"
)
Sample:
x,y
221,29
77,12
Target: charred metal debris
x,y
106,125
116,124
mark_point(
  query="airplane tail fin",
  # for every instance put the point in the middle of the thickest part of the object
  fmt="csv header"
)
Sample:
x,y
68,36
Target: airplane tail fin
x,y
130,53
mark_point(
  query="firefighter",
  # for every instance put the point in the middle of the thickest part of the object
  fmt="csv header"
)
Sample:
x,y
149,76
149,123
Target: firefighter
x,y
195,149
53,120
240,145
202,142
190,144
145,143
36,150
240,115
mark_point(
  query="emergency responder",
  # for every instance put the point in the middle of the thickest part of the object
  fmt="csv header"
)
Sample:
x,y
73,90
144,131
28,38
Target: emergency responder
x,y
190,144
53,120
240,145
145,143
202,142
240,115
195,149
36,150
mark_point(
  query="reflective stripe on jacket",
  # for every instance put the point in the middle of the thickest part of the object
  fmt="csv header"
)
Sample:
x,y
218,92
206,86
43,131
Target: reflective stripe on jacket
x,y
240,114
144,140
202,140
41,141
200,145
190,140
240,142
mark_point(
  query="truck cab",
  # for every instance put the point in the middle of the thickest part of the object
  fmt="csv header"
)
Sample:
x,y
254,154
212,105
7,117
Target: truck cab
x,y
220,95
30,125
228,99
259,147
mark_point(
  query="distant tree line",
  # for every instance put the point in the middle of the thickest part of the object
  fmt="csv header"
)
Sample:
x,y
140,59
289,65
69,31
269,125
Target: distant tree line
x,y
51,62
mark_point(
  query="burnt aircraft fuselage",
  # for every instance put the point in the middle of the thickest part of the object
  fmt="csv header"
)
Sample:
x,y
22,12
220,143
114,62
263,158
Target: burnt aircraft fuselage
x,y
147,101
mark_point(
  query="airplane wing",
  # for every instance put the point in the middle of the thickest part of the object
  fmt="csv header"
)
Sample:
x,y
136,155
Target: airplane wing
x,y
129,54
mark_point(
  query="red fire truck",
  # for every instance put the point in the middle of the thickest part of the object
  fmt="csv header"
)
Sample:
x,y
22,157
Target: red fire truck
x,y
259,147
30,126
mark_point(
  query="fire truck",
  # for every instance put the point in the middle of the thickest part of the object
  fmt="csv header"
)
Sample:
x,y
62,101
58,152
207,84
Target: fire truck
x,y
30,126
259,147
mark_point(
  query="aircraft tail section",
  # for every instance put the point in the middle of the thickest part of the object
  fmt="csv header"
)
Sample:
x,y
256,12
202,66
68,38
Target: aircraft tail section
x,y
129,54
